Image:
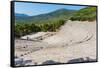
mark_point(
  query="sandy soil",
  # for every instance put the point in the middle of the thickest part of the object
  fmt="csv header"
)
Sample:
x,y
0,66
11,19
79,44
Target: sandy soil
x,y
75,40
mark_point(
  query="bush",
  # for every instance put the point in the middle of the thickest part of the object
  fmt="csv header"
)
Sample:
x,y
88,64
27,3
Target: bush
x,y
85,14
22,29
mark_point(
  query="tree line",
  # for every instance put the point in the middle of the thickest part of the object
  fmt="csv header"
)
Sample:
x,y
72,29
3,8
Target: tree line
x,y
22,29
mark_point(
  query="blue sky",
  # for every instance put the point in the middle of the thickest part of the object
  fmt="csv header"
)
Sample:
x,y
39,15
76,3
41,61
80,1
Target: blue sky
x,y
40,8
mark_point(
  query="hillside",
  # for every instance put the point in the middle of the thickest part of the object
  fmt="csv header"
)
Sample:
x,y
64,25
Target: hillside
x,y
43,22
20,15
58,14
50,22
74,43
88,13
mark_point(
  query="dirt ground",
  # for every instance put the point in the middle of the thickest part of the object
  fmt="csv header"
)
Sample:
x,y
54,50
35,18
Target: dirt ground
x,y
74,42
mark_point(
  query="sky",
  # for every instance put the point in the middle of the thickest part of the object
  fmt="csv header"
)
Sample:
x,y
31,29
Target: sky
x,y
32,9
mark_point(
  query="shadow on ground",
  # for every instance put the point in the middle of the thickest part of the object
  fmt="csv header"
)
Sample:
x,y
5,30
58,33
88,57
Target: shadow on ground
x,y
79,60
50,62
